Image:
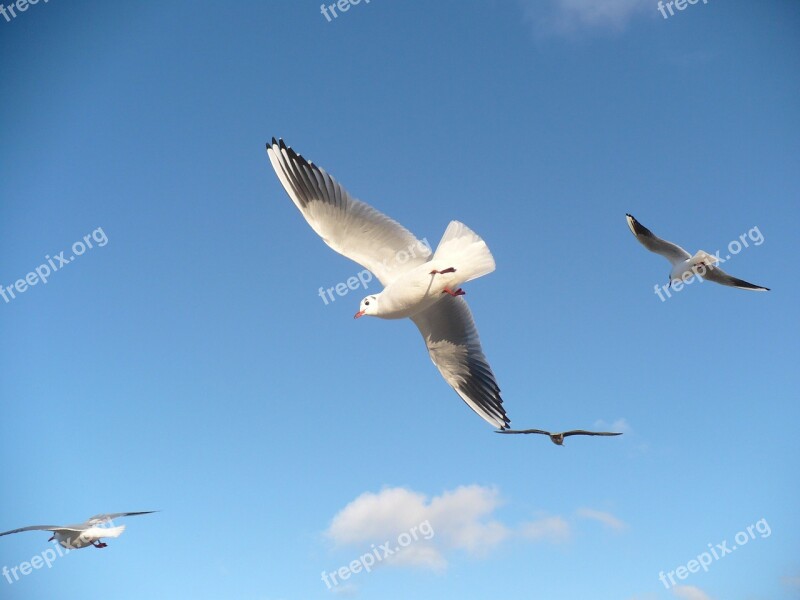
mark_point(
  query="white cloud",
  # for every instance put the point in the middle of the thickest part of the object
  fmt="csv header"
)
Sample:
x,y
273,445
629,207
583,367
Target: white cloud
x,y
460,519
689,592
552,529
460,513
370,516
567,17
605,518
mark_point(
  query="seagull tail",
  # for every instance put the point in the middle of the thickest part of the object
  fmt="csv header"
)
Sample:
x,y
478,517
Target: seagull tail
x,y
113,532
463,249
704,258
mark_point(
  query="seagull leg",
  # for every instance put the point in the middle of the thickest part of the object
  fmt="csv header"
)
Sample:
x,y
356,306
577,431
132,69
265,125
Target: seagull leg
x,y
447,270
99,544
458,292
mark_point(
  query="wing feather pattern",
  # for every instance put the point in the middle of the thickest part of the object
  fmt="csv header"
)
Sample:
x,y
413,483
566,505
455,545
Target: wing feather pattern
x,y
351,227
455,348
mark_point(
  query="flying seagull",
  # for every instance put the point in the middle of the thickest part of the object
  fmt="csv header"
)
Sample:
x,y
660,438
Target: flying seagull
x,y
701,264
418,284
84,534
558,438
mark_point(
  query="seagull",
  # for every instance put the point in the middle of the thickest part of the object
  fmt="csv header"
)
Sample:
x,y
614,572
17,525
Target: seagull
x,y
558,438
418,284
701,264
84,534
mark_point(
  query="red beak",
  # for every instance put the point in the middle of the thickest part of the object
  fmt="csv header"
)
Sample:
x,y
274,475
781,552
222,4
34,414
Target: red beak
x,y
359,314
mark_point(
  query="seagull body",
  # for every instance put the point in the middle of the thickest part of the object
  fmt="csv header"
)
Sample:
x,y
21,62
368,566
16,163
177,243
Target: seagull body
x,y
684,264
418,285
85,534
418,289
74,538
558,438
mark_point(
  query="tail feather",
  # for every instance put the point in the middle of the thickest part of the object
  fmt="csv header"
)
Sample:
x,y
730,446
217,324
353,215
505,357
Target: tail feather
x,y
463,249
113,532
702,257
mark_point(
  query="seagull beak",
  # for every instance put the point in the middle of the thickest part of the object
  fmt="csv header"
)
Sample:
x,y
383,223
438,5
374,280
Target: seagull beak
x,y
358,314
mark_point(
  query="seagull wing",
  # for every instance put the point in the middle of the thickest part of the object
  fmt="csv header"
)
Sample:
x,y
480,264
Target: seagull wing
x,y
455,348
106,518
349,226
542,431
33,528
584,432
717,275
672,252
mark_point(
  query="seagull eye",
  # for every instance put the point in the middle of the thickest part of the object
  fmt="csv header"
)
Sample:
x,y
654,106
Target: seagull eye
x,y
366,302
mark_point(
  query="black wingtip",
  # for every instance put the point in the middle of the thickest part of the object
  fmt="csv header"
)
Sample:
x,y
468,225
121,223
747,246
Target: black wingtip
x,y
636,227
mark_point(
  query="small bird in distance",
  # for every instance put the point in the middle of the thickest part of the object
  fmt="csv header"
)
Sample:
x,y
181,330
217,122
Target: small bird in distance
x,y
558,438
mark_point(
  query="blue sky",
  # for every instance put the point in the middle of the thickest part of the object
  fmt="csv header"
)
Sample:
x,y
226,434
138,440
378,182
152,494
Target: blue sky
x,y
189,365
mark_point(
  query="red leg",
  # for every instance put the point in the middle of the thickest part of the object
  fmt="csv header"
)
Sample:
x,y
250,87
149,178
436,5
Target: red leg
x,y
458,292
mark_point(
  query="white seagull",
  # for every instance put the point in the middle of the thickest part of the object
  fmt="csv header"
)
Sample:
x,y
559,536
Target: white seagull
x,y
85,534
701,264
419,285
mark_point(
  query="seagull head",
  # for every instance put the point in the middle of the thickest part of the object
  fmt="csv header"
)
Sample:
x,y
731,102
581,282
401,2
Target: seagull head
x,y
368,306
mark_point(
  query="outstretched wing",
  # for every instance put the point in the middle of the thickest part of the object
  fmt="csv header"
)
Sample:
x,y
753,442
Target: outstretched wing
x,y
584,432
349,226
33,528
717,275
455,348
672,252
542,431
106,518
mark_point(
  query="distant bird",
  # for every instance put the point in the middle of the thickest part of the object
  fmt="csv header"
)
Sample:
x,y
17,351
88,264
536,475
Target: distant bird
x,y
558,438
419,285
85,534
701,264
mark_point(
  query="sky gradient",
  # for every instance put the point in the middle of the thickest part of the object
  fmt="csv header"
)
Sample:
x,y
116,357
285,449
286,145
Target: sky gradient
x,y
189,365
